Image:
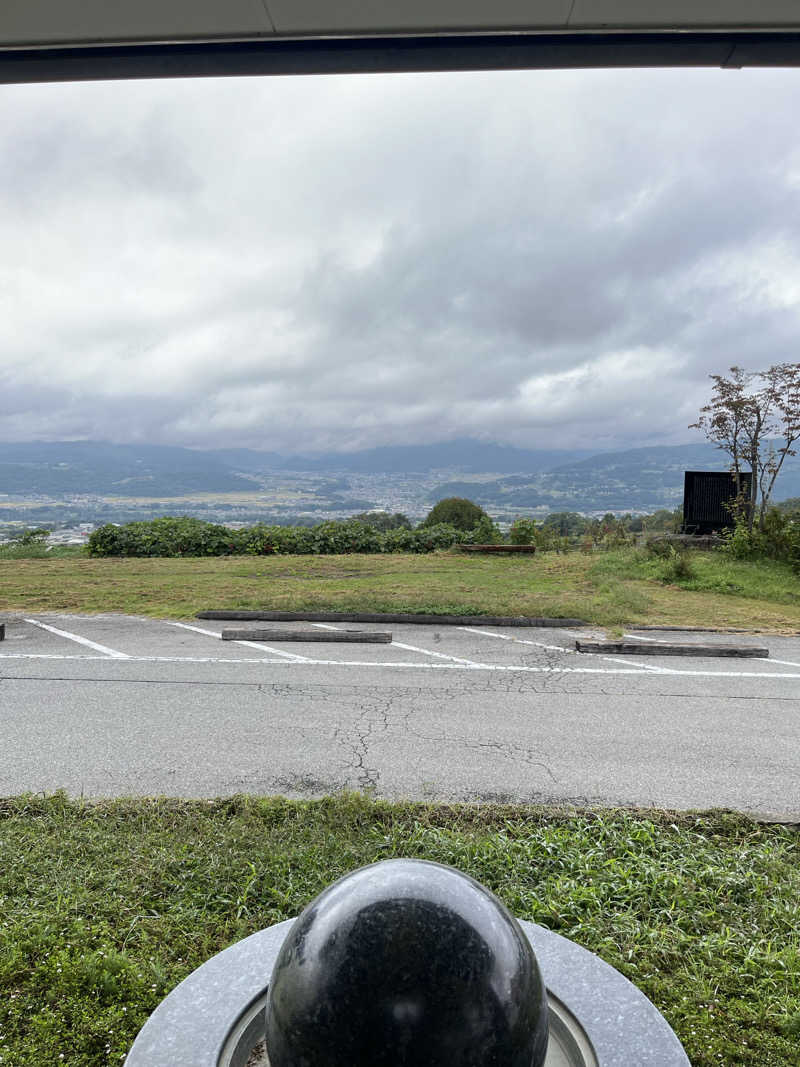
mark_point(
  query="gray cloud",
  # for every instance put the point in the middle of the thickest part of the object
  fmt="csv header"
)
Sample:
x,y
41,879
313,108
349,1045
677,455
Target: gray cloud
x,y
550,258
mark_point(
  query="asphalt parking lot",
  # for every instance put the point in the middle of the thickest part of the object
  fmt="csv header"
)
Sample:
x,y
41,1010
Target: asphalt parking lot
x,y
112,705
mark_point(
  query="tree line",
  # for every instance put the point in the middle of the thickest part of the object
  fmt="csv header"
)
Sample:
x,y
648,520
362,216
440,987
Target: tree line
x,y
452,521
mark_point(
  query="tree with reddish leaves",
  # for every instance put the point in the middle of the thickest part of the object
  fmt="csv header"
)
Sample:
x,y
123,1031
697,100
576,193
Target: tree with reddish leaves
x,y
755,418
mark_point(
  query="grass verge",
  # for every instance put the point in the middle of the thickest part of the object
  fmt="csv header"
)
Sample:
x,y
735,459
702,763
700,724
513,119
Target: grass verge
x,y
106,906
612,589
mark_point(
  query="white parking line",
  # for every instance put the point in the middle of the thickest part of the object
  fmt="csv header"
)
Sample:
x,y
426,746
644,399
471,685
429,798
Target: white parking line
x,y
408,648
467,665
80,640
147,659
248,644
560,648
517,640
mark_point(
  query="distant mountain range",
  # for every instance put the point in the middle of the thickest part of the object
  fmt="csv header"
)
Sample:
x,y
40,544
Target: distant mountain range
x,y
638,479
472,457
499,477
103,469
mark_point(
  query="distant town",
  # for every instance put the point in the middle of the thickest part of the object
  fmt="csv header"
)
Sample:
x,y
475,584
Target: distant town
x,y
71,488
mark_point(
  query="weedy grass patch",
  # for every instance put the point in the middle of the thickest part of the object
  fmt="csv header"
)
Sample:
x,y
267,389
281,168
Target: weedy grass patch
x,y
699,589
105,907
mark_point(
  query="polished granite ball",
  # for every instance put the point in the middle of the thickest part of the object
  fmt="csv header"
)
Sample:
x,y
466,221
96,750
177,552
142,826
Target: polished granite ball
x,y
406,963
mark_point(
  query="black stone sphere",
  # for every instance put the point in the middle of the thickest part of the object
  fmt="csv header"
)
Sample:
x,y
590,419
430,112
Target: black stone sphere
x,y
406,963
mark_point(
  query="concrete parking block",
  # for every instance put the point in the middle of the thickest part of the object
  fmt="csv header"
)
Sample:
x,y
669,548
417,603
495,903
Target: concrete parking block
x,y
340,636
633,648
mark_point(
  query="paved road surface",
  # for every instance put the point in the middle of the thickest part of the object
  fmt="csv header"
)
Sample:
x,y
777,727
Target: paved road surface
x,y
113,705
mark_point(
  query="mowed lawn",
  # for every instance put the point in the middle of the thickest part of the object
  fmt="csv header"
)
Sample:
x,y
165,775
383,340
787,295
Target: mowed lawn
x,y
610,589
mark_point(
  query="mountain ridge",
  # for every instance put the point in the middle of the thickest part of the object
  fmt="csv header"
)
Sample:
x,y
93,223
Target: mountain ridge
x,y
407,477
138,469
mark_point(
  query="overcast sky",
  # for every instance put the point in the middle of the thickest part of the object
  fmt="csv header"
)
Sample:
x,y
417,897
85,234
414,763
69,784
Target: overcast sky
x,y
545,259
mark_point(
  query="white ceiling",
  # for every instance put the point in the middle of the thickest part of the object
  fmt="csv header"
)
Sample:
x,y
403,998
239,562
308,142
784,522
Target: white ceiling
x,y
76,22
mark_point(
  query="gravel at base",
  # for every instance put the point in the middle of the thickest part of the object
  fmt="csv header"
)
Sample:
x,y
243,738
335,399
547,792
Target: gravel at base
x,y
258,1057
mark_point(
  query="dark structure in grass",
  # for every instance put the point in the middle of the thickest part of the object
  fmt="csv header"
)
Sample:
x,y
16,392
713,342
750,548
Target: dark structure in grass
x,y
494,549
402,963
709,497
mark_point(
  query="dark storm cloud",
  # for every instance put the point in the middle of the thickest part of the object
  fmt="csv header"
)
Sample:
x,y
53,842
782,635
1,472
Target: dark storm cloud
x,y
544,258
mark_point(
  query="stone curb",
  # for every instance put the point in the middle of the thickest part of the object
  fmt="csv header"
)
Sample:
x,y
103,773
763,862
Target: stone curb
x,y
360,616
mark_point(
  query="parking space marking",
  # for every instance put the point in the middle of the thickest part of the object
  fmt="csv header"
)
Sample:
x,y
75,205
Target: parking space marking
x,y
560,648
248,644
112,653
144,659
467,665
409,648
516,640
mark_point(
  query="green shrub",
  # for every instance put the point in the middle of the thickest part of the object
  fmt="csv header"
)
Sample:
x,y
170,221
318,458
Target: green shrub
x,y
566,523
442,535
523,532
31,538
547,539
658,548
295,540
384,520
678,567
27,544
455,511
484,533
616,536
259,540
192,537
165,537
335,538
9,550
778,538
668,563
399,540
105,541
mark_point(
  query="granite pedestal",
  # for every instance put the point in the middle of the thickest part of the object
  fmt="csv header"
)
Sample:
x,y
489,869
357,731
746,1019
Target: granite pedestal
x,y
219,1015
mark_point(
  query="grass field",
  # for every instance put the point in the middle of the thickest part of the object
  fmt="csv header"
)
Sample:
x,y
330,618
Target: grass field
x,y
611,589
106,907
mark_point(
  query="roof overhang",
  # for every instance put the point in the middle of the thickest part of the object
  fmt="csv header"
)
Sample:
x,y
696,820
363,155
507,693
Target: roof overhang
x,y
56,40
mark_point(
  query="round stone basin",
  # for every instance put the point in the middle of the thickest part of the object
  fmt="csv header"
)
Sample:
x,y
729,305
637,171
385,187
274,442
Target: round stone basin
x,y
215,1017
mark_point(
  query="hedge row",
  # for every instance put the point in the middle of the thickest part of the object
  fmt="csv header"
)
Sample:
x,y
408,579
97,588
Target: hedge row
x,y
193,537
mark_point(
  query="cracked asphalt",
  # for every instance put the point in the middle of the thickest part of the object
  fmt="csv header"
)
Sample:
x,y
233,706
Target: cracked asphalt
x,y
114,705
